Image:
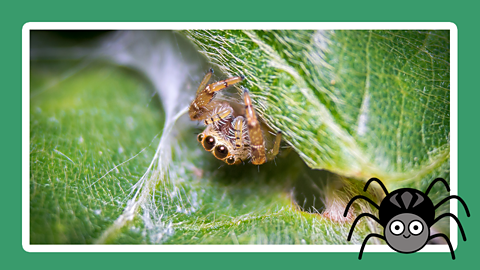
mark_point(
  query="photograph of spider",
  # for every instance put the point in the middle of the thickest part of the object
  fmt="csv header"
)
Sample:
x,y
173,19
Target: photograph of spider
x,y
407,215
228,135
137,132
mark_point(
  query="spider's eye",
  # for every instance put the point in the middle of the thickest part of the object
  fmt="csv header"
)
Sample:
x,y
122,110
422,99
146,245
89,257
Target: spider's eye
x,y
230,160
209,143
221,151
397,227
415,227
200,137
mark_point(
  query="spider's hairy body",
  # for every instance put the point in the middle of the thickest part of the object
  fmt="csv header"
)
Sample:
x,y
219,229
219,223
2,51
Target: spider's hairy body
x,y
231,131
232,136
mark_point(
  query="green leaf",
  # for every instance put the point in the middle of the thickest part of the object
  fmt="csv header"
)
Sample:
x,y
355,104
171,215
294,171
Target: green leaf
x,y
91,138
357,103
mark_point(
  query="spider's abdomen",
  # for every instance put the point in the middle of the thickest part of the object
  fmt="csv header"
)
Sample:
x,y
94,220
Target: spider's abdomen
x,y
406,200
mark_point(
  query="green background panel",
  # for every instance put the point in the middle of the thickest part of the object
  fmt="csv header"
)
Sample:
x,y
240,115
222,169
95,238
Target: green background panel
x,y
16,14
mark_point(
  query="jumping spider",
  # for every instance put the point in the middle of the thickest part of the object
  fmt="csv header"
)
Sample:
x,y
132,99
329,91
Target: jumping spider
x,y
232,136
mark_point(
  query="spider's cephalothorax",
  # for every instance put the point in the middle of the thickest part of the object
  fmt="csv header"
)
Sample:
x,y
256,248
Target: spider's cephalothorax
x,y
406,215
230,136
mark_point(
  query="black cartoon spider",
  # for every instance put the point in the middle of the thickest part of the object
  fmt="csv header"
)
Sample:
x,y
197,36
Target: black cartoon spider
x,y
406,215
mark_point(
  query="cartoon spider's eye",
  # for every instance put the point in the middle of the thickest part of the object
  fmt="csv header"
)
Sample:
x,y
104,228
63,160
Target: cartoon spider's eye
x,y
209,143
415,227
221,151
397,227
200,137
230,160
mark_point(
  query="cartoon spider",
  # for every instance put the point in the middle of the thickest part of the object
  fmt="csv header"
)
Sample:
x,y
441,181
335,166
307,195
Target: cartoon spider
x,y
406,215
228,136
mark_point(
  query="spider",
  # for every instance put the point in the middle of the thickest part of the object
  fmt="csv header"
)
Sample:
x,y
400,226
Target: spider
x,y
406,215
232,136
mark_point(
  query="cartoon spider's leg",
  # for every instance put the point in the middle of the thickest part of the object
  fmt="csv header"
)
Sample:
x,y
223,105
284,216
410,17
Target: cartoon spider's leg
x,y
379,182
446,239
356,221
257,144
272,153
435,181
365,242
358,197
205,94
456,219
218,115
454,197
237,131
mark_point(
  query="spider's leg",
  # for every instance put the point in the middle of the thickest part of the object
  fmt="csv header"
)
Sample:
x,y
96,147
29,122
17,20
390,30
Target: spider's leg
x,y
454,197
456,219
205,94
218,115
358,197
217,86
356,221
197,107
379,182
272,153
205,81
257,144
446,239
237,131
435,181
365,242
